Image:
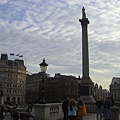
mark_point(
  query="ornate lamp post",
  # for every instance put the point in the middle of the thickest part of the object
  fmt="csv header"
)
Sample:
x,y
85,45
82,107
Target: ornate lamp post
x,y
43,67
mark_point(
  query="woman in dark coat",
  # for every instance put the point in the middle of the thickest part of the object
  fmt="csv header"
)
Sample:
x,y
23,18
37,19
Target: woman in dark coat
x,y
65,108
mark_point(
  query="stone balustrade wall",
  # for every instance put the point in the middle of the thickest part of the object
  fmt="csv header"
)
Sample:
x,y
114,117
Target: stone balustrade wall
x,y
51,111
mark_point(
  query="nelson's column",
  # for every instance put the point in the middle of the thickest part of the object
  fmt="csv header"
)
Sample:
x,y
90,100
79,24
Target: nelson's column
x,y
87,86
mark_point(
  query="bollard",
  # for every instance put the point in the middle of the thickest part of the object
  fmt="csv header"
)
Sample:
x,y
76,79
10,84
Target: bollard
x,y
1,113
114,113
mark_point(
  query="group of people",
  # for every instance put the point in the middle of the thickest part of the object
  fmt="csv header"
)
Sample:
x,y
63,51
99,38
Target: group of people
x,y
103,107
74,110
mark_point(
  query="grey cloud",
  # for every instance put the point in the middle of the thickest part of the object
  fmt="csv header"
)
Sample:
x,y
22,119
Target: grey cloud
x,y
2,2
39,29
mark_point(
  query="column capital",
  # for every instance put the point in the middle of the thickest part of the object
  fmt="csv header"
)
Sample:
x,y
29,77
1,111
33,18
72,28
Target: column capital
x,y
84,21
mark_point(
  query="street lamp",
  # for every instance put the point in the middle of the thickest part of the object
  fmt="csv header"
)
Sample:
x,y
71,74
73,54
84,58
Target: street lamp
x,y
43,67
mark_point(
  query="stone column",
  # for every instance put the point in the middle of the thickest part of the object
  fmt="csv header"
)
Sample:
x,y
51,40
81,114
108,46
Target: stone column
x,y
114,113
85,55
86,88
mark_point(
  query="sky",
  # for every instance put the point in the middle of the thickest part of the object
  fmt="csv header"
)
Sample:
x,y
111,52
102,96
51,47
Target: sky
x,y
51,29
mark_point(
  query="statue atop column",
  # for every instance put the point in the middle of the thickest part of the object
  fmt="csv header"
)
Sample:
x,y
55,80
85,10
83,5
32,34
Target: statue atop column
x,y
83,13
84,21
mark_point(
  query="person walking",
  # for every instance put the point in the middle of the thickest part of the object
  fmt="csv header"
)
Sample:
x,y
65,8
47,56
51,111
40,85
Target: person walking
x,y
107,106
111,98
72,110
99,104
81,109
65,108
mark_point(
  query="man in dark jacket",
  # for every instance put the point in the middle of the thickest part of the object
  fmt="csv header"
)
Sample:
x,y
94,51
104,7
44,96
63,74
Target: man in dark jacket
x,y
99,104
65,108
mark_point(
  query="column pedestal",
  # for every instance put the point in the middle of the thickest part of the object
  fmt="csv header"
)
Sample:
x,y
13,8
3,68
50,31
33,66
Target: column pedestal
x,y
86,90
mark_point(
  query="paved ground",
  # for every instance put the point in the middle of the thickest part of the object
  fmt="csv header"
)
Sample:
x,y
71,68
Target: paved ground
x,y
91,116
87,117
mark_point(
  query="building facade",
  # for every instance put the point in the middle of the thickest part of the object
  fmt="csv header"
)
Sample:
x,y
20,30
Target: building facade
x,y
56,88
60,87
33,82
99,92
12,79
115,89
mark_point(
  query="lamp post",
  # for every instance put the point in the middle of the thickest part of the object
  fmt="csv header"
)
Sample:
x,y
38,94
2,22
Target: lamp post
x,y
43,67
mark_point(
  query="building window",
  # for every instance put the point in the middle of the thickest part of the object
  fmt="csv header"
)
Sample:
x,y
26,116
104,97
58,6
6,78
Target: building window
x,y
9,91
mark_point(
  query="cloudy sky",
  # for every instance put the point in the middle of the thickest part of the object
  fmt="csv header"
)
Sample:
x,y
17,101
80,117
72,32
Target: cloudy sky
x,y
50,29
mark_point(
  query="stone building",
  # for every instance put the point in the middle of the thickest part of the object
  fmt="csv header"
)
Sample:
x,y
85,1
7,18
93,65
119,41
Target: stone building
x,y
33,82
56,88
12,79
96,91
99,92
115,89
61,86
105,93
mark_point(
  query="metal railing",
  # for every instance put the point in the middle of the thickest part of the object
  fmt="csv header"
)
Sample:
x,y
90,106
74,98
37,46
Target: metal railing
x,y
15,114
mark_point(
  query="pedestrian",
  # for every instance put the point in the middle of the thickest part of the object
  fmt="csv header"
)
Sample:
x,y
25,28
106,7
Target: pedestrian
x,y
13,102
111,98
107,106
81,109
65,108
30,106
99,104
72,110
104,107
27,108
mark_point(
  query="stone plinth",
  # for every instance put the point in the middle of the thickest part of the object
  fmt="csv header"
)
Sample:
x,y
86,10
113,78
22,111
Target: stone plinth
x,y
88,99
51,111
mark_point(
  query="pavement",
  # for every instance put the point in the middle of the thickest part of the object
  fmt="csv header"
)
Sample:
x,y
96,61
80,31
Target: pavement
x,y
91,116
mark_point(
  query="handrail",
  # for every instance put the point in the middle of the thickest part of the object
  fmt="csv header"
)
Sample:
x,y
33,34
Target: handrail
x,y
15,113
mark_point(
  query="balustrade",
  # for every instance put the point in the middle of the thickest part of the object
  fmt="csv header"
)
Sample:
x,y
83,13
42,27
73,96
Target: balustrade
x,y
53,111
49,111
